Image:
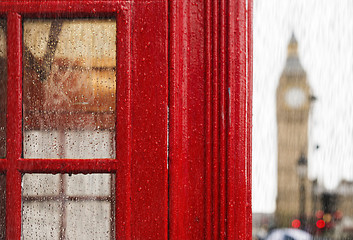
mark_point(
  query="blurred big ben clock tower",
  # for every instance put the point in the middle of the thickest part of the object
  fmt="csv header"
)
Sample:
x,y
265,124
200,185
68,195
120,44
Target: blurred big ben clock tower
x,y
293,105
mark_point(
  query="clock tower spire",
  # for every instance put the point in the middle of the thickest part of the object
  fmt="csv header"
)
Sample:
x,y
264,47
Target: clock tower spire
x,y
293,104
293,66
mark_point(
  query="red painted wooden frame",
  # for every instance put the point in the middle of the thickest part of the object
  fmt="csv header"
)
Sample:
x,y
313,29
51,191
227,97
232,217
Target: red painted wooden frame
x,y
141,124
196,58
210,93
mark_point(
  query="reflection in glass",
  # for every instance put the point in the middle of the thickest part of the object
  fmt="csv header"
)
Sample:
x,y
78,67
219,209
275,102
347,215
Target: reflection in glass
x,y
69,77
3,87
68,206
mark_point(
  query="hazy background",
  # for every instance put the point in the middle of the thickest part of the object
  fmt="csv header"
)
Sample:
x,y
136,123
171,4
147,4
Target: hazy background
x,y
324,30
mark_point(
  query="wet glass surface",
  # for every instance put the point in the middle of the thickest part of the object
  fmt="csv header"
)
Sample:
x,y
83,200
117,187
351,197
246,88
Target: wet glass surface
x,y
69,84
66,206
303,119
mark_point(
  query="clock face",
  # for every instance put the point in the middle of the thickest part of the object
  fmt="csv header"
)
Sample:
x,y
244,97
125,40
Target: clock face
x,y
295,97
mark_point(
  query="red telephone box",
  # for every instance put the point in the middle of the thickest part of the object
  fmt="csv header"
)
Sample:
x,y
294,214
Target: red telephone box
x,y
172,94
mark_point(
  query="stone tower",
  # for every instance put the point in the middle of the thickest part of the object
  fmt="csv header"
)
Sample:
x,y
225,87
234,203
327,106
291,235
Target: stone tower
x,y
293,105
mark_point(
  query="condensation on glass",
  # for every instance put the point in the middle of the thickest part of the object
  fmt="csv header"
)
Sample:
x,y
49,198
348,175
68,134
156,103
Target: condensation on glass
x,y
69,101
69,85
66,206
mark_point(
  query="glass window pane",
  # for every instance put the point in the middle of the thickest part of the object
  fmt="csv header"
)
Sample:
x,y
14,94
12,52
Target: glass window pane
x,y
89,185
3,87
88,220
41,220
69,85
41,184
66,206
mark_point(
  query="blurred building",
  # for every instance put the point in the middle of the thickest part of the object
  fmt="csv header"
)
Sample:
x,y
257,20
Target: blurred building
x,y
293,106
300,200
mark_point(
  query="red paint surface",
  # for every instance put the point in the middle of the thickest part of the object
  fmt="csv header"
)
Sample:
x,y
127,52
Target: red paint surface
x,y
14,126
187,188
210,49
149,113
237,188
67,165
249,117
124,124
198,61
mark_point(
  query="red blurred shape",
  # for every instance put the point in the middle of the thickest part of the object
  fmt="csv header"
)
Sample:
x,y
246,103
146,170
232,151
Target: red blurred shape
x,y
338,215
296,223
320,223
319,214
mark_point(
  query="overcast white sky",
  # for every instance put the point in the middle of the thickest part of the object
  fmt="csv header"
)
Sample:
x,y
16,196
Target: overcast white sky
x,y
324,30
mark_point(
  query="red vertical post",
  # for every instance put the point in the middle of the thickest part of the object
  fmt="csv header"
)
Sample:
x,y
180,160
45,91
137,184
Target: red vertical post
x,y
223,111
149,112
189,143
238,97
208,119
249,115
215,17
14,126
123,123
221,116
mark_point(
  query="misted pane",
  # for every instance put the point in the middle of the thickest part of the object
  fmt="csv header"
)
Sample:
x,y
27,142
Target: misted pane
x,y
3,87
89,220
69,84
41,220
65,206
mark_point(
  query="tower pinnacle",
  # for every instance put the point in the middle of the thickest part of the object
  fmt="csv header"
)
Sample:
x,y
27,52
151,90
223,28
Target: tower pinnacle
x,y
293,65
293,46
